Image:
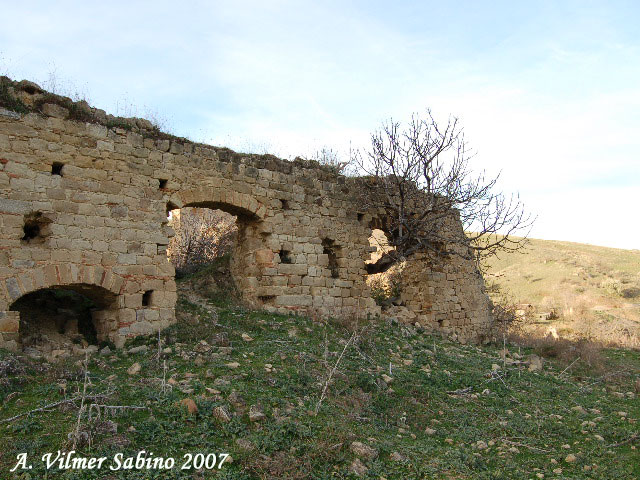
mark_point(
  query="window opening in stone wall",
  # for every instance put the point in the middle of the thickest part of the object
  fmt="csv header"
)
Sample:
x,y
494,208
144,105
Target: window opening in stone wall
x,y
56,168
329,248
285,204
162,183
147,298
35,227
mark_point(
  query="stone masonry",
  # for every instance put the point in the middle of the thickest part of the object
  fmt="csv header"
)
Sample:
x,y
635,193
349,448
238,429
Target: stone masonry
x,y
83,205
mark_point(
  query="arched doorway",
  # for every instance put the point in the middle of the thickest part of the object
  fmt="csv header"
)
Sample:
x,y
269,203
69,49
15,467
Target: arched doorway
x,y
213,222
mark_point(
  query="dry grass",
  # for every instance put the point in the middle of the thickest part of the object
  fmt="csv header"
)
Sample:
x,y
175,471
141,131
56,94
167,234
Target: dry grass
x,y
588,353
593,291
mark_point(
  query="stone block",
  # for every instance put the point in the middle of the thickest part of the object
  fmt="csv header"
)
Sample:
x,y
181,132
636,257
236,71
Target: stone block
x,y
9,322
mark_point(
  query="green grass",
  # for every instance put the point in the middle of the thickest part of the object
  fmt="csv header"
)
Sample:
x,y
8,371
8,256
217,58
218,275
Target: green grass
x,y
516,416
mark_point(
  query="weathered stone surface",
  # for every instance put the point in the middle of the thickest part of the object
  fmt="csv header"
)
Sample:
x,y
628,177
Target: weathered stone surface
x,y
54,110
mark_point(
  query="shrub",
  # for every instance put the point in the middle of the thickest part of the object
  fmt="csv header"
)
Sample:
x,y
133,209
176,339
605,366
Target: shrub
x,y
584,350
620,287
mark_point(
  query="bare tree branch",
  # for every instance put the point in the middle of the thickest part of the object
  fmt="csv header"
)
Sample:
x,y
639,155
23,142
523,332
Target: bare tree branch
x,y
418,175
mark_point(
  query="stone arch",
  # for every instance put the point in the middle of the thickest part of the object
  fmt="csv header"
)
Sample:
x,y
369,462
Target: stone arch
x,y
95,282
246,269
236,203
58,275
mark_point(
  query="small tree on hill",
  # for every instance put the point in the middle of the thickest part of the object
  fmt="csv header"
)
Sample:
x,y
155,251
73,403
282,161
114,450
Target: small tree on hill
x,y
418,175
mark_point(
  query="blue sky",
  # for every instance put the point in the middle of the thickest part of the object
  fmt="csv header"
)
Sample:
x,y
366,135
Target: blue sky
x,y
548,91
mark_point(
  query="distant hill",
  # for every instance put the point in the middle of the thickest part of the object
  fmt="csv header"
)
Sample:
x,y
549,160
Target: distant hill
x,y
594,291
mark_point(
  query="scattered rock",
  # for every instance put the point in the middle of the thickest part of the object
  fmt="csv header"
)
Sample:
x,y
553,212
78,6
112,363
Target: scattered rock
x,y
387,379
396,457
430,431
105,351
246,338
221,414
192,408
202,347
256,414
363,451
571,458
358,468
534,362
140,349
232,365
244,444
134,369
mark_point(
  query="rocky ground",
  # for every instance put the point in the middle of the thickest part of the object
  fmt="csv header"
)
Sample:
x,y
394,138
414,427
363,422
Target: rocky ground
x,y
287,397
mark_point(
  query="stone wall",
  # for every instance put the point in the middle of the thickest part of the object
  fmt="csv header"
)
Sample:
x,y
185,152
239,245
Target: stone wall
x,y
447,295
84,200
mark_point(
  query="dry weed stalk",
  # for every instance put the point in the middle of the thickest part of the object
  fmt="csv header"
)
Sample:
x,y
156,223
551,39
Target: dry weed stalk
x,y
83,397
351,340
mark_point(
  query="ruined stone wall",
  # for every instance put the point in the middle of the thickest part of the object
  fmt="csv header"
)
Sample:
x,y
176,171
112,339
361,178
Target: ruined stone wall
x,y
444,293
447,295
83,205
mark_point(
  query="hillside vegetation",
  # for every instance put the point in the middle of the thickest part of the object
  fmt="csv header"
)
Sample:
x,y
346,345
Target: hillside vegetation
x,y
290,397
580,290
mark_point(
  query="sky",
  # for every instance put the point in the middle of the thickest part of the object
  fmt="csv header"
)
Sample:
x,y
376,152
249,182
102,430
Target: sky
x,y
548,92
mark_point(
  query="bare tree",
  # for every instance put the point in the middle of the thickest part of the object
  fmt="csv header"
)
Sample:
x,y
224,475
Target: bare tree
x,y
418,176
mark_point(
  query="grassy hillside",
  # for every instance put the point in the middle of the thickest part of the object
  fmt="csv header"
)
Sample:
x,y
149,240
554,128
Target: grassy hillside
x,y
594,291
288,397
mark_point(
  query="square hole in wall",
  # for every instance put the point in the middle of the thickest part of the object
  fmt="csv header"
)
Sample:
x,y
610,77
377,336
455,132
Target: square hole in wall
x,y
35,228
360,217
163,183
285,204
285,256
56,168
147,298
